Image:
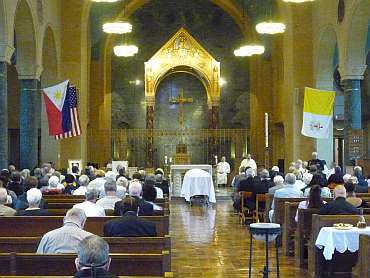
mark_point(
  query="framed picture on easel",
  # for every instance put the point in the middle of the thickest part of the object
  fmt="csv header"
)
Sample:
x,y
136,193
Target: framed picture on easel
x,y
74,163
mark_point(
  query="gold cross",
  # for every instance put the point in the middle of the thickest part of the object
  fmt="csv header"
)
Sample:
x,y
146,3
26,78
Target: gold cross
x,y
181,100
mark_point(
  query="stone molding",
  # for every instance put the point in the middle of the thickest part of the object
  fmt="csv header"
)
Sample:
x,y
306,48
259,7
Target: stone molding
x,y
30,72
6,52
353,72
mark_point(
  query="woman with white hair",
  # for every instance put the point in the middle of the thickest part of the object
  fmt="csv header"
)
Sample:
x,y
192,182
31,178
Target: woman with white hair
x,y
54,186
34,197
122,184
83,180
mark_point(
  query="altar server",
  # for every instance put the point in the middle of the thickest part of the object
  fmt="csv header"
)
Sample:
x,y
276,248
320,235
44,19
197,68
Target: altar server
x,y
223,168
249,162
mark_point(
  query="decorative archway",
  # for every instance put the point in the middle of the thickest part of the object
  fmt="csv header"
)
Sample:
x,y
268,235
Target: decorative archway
x,y
181,52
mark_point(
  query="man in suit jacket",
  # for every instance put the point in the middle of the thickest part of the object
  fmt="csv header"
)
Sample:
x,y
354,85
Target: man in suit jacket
x,y
129,225
339,205
135,191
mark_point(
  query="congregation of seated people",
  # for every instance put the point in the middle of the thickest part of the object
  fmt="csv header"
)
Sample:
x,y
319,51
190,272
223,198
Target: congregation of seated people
x,y
103,189
311,179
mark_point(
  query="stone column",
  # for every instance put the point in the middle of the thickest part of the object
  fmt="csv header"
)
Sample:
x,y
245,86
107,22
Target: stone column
x,y
29,109
150,101
6,53
3,116
353,139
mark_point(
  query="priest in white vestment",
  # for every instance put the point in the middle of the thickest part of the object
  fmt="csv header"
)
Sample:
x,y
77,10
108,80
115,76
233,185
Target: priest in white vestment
x,y
223,168
249,162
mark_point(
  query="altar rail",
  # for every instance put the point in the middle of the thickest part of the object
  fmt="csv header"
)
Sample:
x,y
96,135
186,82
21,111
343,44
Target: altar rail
x,y
130,144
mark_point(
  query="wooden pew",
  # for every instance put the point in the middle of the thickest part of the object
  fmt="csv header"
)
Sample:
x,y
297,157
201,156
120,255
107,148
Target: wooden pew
x,y
38,225
48,265
128,245
268,203
319,221
362,268
62,212
302,235
289,226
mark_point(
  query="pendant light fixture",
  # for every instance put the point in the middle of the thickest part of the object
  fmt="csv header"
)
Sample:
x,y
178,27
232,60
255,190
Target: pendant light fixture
x,y
251,49
269,26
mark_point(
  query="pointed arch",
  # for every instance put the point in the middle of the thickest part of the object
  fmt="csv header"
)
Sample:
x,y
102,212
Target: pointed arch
x,y
25,40
325,58
357,33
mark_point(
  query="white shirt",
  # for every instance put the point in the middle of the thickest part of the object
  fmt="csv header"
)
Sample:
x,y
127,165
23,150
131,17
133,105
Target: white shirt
x,y
108,202
223,167
159,192
80,191
90,209
249,163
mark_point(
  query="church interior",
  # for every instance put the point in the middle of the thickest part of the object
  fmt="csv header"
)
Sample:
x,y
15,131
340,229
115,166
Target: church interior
x,y
205,96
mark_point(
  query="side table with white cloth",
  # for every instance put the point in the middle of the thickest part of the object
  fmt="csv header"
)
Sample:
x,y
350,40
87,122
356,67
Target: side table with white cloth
x,y
331,239
198,182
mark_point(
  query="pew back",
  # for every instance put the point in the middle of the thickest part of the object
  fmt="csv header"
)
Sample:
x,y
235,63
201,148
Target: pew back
x,y
38,225
129,245
289,226
55,265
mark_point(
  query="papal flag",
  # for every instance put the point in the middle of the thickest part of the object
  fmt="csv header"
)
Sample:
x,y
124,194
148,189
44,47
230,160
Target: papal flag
x,y
317,113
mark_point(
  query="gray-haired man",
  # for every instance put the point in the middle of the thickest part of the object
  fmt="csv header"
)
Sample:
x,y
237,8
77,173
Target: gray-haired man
x,y
65,239
93,258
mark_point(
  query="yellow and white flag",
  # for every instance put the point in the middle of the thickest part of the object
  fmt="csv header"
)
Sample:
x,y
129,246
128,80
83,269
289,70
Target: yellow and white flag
x,y
317,113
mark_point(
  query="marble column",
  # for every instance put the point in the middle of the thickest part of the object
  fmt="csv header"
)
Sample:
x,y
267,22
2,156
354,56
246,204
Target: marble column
x,y
149,128
29,108
352,120
3,116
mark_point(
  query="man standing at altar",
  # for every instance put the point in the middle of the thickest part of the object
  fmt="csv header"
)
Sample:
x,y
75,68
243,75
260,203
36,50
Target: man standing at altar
x,y
223,168
249,162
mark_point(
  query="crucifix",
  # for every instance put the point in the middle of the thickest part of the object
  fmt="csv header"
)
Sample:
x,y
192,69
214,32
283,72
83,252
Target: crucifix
x,y
181,100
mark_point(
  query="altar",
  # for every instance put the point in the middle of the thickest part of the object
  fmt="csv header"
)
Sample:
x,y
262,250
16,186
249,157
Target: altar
x,y
177,173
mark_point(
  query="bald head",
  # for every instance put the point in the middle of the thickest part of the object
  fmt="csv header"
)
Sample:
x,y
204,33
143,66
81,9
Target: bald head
x,y
340,191
76,216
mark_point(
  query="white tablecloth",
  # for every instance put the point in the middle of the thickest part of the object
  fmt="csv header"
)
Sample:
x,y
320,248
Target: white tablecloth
x,y
341,240
198,182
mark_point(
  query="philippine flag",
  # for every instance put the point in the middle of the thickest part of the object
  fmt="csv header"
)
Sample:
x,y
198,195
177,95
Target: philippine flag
x,y
57,108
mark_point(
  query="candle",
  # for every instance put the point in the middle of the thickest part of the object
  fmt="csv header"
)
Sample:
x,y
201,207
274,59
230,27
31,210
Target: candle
x,y
170,159
216,159
165,159
266,130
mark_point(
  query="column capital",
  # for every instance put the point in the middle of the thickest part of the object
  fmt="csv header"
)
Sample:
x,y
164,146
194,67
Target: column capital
x,y
29,72
149,100
352,72
6,52
213,102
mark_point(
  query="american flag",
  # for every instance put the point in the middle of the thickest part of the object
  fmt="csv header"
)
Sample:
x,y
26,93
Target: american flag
x,y
75,128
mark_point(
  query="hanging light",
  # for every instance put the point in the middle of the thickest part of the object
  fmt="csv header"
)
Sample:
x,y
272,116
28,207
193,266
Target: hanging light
x,y
119,27
270,28
297,1
249,50
125,50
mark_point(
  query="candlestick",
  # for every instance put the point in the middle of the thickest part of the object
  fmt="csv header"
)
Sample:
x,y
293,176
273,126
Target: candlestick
x,y
216,159
266,130
165,159
170,159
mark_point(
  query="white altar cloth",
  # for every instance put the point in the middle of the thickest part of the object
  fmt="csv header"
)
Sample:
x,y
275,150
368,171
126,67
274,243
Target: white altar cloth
x,y
198,182
177,174
332,239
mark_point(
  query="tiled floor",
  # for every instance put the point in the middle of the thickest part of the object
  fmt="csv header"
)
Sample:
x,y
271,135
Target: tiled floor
x,y
209,242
